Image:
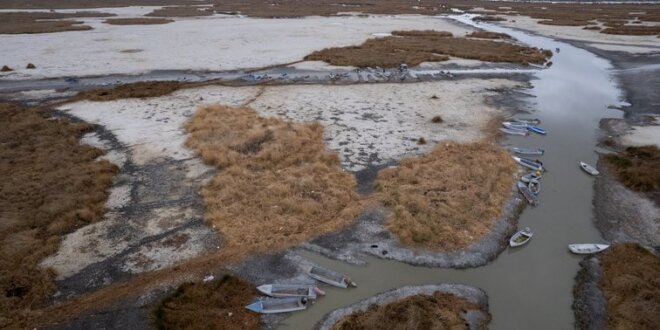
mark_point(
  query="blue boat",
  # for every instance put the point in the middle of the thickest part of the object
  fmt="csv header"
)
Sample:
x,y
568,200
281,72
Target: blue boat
x,y
537,129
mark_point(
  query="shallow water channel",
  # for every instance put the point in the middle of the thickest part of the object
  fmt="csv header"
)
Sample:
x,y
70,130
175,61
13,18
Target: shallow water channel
x,y
529,287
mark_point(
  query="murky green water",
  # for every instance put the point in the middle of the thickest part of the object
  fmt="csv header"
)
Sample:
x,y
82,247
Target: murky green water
x,y
529,287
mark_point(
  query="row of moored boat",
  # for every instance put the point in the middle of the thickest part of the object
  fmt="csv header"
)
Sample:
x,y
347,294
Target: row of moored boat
x,y
529,184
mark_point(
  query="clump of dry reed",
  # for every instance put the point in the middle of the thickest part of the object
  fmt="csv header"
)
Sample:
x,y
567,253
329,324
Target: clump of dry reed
x,y
435,311
51,185
449,198
415,47
219,304
637,167
278,186
132,90
631,286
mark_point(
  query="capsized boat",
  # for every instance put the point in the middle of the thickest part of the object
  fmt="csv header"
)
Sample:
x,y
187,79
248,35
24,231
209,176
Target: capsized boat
x,y
528,121
329,276
528,194
290,290
587,248
514,131
521,237
528,151
589,169
278,305
533,164
537,129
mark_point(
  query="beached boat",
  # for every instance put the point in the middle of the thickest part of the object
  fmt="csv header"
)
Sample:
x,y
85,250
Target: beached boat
x,y
589,169
528,194
528,121
513,131
513,124
521,237
290,290
537,129
533,164
587,248
329,277
278,305
531,177
528,151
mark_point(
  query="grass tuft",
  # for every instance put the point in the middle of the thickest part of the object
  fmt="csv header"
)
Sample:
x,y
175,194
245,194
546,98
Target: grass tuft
x,y
447,199
437,120
6,68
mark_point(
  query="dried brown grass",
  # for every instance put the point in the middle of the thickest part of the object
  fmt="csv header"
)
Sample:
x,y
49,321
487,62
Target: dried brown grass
x,y
43,22
633,30
137,21
219,304
436,311
50,185
637,167
133,90
488,35
415,47
278,186
631,286
447,199
181,11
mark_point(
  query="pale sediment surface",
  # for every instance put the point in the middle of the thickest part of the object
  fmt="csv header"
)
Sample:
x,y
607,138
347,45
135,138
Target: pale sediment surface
x,y
215,43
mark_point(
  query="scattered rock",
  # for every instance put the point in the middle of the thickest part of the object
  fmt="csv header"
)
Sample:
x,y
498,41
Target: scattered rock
x,y
421,141
437,120
30,66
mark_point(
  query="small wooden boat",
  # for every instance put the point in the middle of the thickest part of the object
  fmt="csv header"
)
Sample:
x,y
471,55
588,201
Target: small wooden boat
x,y
290,290
589,169
533,164
521,237
329,276
537,129
587,248
528,121
278,305
528,194
513,131
513,124
528,151
531,177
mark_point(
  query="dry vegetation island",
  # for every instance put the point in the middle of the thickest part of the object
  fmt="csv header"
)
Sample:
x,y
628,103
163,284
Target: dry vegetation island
x,y
637,167
137,21
132,90
43,22
447,199
278,186
415,47
631,286
435,311
50,186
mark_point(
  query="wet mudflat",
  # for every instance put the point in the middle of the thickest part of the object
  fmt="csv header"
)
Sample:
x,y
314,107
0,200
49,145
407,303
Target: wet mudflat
x,y
531,286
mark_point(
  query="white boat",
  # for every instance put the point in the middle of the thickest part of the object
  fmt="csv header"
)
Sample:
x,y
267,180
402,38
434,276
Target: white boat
x,y
528,194
589,169
587,248
329,276
521,237
290,290
532,164
514,131
531,177
528,151
278,305
513,124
